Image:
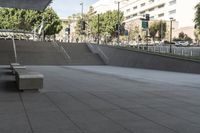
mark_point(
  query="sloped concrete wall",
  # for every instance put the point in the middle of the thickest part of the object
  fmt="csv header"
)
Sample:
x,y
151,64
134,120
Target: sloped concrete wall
x,y
128,58
6,52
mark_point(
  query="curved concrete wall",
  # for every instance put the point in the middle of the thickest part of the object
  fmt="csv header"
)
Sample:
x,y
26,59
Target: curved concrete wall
x,y
129,58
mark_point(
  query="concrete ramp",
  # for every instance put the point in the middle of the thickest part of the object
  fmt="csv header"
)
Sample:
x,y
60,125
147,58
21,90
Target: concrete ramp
x,y
140,59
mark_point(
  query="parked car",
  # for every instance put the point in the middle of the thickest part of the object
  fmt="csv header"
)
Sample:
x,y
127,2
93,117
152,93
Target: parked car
x,y
182,43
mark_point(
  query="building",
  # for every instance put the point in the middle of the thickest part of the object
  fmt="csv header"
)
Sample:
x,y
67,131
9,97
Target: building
x,y
64,36
102,6
182,11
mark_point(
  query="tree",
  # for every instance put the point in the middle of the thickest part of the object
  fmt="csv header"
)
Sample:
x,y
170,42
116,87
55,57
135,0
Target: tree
x,y
52,22
197,16
183,37
197,35
157,27
153,30
19,19
108,22
134,33
162,30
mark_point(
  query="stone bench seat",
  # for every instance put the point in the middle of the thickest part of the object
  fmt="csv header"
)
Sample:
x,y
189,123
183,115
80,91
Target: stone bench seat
x,y
29,80
13,64
18,68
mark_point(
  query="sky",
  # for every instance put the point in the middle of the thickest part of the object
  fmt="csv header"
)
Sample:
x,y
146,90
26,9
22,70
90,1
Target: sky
x,y
65,8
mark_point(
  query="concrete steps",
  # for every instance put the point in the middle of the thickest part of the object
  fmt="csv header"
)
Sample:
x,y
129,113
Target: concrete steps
x,y
80,54
39,53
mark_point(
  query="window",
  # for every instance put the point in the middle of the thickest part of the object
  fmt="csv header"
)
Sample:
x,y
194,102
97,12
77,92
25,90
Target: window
x,y
128,17
172,11
134,15
152,9
151,1
143,12
161,15
152,17
143,4
128,10
172,2
135,7
161,6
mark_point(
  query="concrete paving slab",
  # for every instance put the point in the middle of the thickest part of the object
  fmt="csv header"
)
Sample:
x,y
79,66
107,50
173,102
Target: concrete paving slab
x,y
75,100
144,74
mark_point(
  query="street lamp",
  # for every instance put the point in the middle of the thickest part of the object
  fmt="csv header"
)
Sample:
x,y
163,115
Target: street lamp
x,y
81,9
171,28
118,17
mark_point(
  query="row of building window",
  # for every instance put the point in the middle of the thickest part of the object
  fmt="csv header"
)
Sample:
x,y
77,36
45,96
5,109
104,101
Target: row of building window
x,y
152,17
172,2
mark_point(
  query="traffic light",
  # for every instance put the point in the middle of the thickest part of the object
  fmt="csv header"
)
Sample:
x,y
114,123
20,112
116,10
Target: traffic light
x,y
116,27
83,25
147,17
67,30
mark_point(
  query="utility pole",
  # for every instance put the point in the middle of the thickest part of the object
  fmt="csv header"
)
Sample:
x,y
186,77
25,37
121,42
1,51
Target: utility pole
x,y
170,40
81,9
69,33
118,25
98,34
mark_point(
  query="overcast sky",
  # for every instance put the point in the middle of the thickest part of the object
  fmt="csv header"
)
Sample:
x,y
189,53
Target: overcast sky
x,y
65,8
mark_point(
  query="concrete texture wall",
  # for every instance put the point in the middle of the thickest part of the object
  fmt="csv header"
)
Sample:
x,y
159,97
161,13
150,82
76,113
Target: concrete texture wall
x,y
6,52
129,58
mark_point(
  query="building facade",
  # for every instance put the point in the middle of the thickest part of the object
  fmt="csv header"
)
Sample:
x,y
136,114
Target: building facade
x,y
182,11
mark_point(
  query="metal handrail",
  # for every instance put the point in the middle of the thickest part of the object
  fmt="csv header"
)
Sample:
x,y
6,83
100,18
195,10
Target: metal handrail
x,y
14,48
99,52
63,50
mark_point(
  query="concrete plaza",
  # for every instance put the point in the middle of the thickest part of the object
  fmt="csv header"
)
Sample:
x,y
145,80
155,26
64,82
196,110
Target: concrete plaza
x,y
101,99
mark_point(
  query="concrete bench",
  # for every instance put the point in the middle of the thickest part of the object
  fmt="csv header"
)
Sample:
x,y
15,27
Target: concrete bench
x,y
18,68
29,80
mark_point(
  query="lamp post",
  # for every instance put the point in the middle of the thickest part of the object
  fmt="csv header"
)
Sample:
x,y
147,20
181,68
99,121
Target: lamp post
x,y
82,22
118,23
171,28
98,29
81,9
118,17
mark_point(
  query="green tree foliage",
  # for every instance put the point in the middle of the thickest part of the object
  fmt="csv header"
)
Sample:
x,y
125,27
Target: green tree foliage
x,y
153,29
52,22
197,35
197,16
183,37
134,33
197,23
18,19
157,28
107,23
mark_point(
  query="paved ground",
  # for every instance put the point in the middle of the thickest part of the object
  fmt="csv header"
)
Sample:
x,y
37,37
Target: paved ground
x,y
78,101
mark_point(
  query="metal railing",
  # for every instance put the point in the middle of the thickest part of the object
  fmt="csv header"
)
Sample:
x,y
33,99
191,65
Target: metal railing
x,y
66,55
97,50
14,48
181,51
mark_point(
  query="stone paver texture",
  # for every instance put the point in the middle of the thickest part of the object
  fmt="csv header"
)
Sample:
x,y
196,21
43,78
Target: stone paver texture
x,y
101,99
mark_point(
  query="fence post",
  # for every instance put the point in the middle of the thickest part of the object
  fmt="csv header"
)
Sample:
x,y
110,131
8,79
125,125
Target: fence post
x,y
191,53
182,52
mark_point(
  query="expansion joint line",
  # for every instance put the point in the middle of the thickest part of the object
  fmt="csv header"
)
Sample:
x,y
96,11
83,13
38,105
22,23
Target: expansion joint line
x,y
26,113
65,114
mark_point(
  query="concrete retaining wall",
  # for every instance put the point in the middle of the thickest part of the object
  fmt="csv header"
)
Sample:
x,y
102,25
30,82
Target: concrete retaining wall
x,y
129,58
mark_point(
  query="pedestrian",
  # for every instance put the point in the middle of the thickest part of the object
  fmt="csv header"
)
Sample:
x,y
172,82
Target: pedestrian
x,y
77,40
